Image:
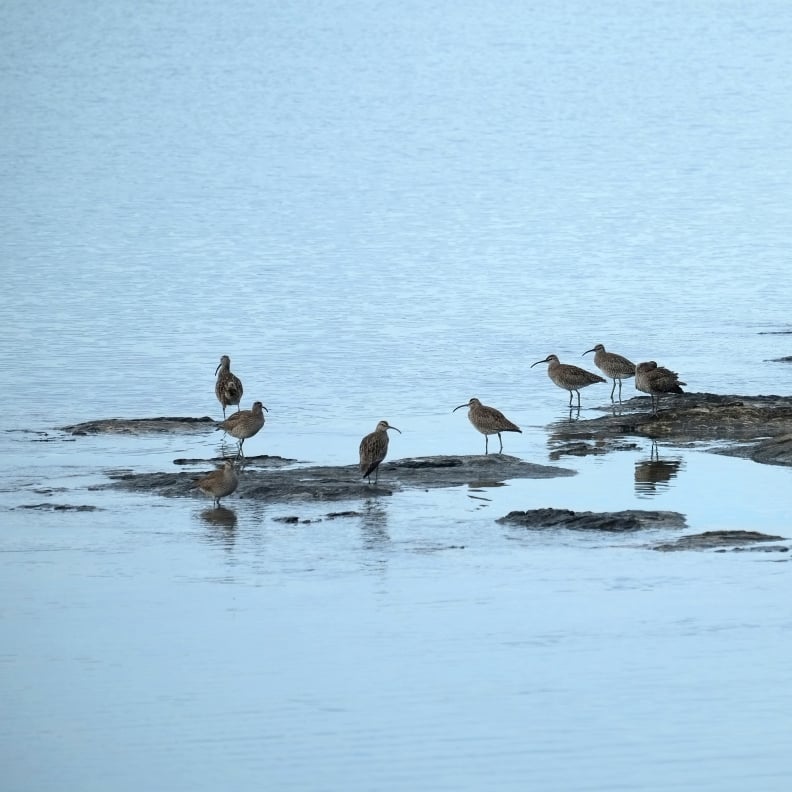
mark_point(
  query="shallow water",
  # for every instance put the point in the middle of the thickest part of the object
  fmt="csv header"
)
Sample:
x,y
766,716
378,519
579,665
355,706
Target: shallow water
x,y
379,211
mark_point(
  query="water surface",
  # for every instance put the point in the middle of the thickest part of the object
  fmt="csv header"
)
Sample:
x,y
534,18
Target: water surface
x,y
379,210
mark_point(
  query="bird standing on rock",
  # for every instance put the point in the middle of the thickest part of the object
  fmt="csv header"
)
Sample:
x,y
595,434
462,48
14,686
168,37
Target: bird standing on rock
x,y
373,448
488,420
568,377
656,380
220,482
612,365
228,387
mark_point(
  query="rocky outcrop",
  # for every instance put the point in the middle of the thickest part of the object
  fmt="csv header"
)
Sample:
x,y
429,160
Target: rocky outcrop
x,y
724,540
628,520
271,479
756,427
137,426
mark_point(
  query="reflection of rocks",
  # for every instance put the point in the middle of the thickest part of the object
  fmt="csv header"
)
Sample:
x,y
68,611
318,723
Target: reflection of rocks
x,y
653,474
757,427
628,520
712,540
137,426
269,482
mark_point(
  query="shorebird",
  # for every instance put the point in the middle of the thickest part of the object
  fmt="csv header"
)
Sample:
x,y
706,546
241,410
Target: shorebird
x,y
568,377
228,387
244,424
612,365
373,448
488,420
656,380
220,482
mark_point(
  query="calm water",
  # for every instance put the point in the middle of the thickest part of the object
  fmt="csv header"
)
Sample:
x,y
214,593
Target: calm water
x,y
379,210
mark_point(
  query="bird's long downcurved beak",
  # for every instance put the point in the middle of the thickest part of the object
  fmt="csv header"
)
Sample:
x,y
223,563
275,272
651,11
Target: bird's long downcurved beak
x,y
393,427
538,362
587,351
460,406
218,368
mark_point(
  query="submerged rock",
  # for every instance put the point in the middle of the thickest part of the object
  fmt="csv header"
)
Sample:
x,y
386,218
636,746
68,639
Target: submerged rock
x,y
627,520
59,507
270,481
710,540
136,426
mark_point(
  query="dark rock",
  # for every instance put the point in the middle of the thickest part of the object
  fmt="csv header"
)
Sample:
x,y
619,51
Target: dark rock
x,y
628,520
777,451
59,507
753,426
260,460
136,426
339,483
716,539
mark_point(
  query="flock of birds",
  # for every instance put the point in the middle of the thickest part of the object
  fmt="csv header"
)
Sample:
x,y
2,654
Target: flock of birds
x,y
243,424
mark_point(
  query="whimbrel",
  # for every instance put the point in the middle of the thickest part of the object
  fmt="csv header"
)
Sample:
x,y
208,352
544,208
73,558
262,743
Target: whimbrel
x,y
568,377
244,424
488,420
228,387
373,448
656,380
612,365
220,482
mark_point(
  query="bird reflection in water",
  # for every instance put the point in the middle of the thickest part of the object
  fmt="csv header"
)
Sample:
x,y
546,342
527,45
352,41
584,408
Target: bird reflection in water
x,y
654,475
374,524
222,524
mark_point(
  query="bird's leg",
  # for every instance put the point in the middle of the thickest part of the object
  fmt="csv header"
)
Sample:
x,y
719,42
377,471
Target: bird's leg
x,y
578,393
486,444
570,398
619,391
614,388
501,443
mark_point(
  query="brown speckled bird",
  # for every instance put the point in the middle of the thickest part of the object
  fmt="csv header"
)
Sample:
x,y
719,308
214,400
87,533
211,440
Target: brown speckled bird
x,y
244,424
568,377
488,420
656,380
220,482
228,387
612,365
373,448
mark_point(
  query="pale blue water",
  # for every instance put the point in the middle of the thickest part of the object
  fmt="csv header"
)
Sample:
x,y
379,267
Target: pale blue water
x,y
379,210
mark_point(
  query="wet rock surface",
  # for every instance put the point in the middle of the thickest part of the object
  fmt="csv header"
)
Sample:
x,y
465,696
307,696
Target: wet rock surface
x,y
138,426
756,427
627,520
59,507
723,540
266,478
